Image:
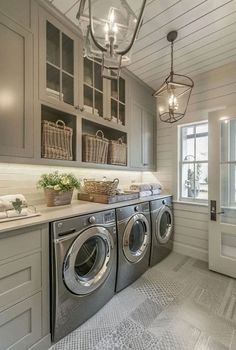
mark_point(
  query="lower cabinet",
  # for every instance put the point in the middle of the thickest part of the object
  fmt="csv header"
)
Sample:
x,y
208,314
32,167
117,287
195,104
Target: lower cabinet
x,y
142,136
24,289
20,325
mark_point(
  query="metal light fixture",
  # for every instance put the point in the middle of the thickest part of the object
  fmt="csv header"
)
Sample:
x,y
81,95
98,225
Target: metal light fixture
x,y
110,29
173,95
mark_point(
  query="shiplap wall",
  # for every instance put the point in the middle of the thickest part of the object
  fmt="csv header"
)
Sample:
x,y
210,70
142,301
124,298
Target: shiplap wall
x,y
213,90
15,178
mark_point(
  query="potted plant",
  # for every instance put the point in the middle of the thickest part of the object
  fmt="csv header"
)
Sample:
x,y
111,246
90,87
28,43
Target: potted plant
x,y
192,184
58,188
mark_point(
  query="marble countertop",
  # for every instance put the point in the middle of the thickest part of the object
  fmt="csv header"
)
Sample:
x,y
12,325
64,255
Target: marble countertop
x,y
76,208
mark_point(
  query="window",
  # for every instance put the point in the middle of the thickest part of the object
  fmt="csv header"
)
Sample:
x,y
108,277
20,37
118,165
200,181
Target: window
x,y
193,162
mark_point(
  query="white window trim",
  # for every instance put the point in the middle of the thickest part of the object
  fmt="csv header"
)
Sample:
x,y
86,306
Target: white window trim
x,y
180,162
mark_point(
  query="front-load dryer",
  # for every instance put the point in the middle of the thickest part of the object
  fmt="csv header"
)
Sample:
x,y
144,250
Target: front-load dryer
x,y
162,229
134,238
83,269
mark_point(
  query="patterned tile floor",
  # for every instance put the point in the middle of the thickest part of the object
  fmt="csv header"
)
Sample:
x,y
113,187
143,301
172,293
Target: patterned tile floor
x,y
178,304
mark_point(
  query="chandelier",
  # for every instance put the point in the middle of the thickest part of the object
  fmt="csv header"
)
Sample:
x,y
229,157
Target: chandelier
x,y
174,94
110,29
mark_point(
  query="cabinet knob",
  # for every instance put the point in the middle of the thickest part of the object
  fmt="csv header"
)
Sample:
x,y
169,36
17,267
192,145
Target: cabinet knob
x,y
78,107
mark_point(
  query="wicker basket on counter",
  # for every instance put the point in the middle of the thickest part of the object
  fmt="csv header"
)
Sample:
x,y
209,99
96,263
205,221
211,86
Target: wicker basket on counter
x,y
101,187
56,140
117,152
95,148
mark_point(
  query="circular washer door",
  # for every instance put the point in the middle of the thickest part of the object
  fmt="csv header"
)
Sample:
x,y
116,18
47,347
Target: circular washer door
x,y
136,238
89,260
164,224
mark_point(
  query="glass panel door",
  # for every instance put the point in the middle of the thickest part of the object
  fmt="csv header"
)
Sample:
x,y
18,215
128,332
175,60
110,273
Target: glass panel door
x,y
222,192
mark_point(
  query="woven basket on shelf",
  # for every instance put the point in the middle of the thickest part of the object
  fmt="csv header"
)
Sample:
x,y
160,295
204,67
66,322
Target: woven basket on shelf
x,y
95,148
56,140
55,198
117,152
101,187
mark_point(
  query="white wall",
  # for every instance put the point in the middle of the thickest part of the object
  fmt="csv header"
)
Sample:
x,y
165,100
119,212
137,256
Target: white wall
x,y
213,90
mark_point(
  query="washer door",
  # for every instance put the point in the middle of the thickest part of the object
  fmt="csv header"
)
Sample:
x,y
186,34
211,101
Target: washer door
x,y
136,238
164,224
89,260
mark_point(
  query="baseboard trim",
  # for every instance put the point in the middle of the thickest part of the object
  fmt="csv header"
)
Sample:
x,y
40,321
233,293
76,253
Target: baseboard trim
x,y
42,344
190,251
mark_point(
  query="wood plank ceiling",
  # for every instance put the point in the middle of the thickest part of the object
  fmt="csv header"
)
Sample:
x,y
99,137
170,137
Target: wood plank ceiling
x,y
206,36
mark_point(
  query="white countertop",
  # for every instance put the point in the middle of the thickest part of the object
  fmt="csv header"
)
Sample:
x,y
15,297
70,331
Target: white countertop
x,y
76,208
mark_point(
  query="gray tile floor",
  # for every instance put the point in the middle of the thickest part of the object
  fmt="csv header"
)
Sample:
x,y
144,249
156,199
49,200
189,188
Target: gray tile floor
x,y
178,304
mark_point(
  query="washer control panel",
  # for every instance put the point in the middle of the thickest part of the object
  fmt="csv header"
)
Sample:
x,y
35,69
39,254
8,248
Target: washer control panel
x,y
109,217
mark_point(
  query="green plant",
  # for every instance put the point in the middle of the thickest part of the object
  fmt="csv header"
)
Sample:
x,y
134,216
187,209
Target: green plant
x,y
17,205
58,182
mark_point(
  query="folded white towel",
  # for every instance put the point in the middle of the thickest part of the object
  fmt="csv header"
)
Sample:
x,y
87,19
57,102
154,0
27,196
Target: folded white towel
x,y
145,194
6,201
14,213
155,192
3,215
155,186
141,187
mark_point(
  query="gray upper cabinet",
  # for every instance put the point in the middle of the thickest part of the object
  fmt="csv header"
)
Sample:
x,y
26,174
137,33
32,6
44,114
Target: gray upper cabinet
x,y
142,136
16,87
60,64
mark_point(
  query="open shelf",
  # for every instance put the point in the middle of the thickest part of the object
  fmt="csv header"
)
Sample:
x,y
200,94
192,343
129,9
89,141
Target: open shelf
x,y
96,145
56,142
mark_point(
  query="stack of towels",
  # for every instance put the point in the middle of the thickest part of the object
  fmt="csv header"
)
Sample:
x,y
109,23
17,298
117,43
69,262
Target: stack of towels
x,y
146,189
7,209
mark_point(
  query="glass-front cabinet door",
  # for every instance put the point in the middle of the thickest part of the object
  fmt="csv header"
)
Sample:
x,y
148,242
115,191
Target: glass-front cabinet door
x,y
93,88
59,58
117,100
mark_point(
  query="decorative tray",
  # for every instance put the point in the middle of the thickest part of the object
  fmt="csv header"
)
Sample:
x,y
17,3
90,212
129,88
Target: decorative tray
x,y
106,199
31,213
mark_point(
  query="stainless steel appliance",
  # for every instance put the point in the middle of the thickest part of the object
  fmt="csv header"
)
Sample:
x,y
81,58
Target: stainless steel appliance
x,y
83,269
134,238
162,229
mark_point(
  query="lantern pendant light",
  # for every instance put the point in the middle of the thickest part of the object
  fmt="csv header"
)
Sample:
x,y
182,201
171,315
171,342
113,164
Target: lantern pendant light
x,y
174,94
110,29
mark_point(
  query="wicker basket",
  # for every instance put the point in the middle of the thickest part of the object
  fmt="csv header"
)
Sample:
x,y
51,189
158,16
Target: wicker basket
x,y
95,148
101,187
55,198
56,140
117,152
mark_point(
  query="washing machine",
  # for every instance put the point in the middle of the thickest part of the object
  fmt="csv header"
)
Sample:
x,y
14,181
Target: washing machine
x,y
162,229
134,238
83,269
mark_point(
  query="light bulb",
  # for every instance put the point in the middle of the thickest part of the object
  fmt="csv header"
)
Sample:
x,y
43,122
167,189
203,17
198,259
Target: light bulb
x,y
111,17
173,102
106,28
115,28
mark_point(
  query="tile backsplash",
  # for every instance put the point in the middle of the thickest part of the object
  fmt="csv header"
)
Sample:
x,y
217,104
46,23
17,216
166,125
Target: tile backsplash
x,y
18,178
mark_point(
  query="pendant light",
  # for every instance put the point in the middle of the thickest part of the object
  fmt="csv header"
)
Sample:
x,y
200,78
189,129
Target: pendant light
x,y
110,29
173,95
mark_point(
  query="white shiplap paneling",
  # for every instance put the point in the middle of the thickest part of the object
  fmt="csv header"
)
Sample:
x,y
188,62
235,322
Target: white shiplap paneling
x,y
213,90
206,36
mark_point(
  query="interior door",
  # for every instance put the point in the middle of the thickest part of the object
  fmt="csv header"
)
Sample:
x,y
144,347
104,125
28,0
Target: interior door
x,y
222,191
